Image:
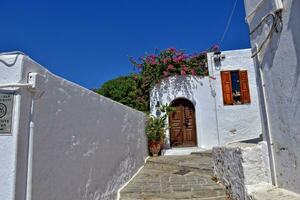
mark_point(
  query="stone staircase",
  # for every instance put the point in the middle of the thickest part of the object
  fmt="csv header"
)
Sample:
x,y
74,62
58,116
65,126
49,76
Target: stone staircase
x,y
175,177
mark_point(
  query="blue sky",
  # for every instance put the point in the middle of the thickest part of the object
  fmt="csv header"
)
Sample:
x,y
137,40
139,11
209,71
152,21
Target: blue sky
x,y
88,42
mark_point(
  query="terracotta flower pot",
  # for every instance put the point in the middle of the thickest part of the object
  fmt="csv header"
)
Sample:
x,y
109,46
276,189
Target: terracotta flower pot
x,y
154,147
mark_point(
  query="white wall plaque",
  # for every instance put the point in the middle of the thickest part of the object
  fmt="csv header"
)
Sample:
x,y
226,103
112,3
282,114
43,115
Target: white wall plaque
x,y
6,107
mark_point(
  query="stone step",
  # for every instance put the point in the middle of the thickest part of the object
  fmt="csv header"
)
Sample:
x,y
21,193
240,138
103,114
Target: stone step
x,y
175,177
158,198
204,169
195,163
203,153
199,194
181,151
269,192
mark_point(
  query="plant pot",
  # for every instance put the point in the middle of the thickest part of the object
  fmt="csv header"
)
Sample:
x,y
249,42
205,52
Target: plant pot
x,y
154,147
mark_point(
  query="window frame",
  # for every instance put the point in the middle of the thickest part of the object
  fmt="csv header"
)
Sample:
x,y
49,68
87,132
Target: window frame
x,y
227,90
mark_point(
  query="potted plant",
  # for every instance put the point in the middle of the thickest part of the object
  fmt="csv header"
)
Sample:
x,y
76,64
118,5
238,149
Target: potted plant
x,y
155,130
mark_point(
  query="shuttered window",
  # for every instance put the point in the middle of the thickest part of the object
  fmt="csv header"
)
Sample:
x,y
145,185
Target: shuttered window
x,y
227,88
244,87
235,87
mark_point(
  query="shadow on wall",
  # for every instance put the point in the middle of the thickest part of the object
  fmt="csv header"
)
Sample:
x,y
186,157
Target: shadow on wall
x,y
295,30
172,86
272,46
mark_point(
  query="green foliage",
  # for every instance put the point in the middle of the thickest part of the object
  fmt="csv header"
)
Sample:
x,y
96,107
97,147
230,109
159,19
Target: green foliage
x,y
134,90
169,62
126,91
156,126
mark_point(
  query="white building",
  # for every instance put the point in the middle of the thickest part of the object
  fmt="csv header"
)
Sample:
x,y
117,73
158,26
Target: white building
x,y
275,39
59,140
217,109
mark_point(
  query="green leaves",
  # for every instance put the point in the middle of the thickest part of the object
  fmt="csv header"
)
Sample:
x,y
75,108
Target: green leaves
x,y
133,90
156,126
126,91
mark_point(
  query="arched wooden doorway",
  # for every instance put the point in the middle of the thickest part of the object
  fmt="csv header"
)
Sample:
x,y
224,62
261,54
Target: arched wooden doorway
x,y
182,124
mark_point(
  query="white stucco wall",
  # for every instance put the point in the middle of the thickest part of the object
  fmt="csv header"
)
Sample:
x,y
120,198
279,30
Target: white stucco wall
x,y
240,167
84,146
215,123
279,67
9,142
236,122
197,90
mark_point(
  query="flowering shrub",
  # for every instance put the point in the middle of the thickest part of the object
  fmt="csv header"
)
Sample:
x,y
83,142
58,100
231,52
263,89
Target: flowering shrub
x,y
133,90
152,68
170,62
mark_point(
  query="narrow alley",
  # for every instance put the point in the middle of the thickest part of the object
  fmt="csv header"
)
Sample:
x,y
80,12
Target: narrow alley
x,y
175,177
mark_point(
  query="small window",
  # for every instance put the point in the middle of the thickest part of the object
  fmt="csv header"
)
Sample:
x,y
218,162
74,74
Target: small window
x,y
235,87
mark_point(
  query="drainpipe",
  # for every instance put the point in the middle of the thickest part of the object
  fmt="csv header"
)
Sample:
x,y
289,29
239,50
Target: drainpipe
x,y
265,115
35,80
29,164
213,93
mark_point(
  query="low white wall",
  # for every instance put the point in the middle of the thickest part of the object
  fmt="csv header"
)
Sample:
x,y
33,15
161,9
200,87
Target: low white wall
x,y
84,146
239,166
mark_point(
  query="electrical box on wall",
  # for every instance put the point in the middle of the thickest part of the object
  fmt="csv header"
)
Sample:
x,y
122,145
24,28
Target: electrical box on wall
x,y
263,8
36,81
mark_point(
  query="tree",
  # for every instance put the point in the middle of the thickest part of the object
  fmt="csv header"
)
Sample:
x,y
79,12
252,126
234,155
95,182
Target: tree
x,y
125,90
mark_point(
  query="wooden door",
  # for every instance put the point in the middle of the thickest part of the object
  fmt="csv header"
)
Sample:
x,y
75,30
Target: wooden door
x,y
182,124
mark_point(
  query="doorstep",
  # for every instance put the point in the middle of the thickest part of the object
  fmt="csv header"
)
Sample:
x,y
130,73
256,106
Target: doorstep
x,y
180,151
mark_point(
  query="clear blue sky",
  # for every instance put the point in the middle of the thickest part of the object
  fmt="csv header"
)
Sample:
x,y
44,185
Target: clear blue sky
x,y
88,42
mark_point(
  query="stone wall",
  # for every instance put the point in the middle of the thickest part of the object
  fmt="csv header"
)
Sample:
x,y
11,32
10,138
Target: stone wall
x,y
67,142
239,166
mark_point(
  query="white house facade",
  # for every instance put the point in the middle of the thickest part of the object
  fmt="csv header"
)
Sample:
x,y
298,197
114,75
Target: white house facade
x,y
278,70
213,110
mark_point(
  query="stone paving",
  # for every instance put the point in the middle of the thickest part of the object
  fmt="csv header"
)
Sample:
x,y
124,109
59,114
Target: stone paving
x,y
175,177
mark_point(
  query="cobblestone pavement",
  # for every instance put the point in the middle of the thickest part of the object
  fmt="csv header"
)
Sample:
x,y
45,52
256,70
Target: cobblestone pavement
x,y
175,177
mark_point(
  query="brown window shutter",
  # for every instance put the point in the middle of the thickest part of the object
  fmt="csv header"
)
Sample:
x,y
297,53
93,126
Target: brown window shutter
x,y
227,87
244,87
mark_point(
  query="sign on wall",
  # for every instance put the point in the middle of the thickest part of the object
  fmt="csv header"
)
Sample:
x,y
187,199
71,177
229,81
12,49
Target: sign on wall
x,y
6,107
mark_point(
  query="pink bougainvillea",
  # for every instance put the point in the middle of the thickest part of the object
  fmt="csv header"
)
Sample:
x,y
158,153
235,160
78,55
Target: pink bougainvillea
x,y
170,62
182,72
170,67
166,73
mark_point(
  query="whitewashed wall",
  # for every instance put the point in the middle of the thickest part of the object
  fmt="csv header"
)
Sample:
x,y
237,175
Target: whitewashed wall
x,y
236,122
84,146
11,144
215,123
241,167
279,64
197,90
